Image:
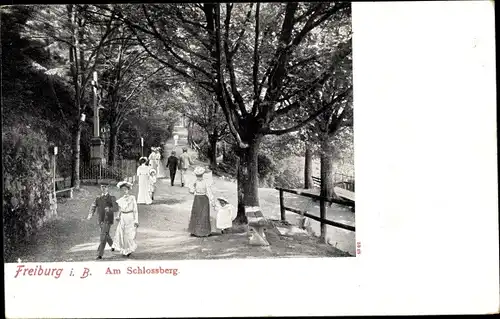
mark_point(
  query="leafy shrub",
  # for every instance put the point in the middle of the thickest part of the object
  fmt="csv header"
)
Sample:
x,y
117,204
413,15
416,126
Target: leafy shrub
x,y
26,183
291,173
204,153
266,168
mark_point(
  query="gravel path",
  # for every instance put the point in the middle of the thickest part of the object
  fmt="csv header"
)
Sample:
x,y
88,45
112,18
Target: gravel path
x,y
162,234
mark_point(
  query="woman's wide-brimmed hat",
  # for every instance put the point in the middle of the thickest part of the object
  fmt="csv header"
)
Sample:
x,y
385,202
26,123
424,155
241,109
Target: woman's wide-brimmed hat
x,y
124,183
143,158
222,199
199,171
152,171
152,148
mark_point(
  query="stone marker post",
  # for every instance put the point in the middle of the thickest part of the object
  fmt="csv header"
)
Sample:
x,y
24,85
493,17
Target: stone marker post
x,y
97,144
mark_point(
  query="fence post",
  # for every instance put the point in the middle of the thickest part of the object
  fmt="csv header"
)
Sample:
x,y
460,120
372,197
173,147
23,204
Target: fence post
x,y
322,214
282,205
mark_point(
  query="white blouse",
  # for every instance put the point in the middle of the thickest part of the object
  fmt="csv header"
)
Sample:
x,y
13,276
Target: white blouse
x,y
143,170
201,188
128,204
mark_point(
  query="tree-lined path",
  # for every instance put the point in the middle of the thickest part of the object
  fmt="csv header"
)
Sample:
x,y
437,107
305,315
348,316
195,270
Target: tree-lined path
x,y
162,234
264,90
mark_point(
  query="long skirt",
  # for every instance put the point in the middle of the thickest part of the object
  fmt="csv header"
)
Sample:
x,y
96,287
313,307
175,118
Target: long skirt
x,y
161,170
143,196
124,240
199,224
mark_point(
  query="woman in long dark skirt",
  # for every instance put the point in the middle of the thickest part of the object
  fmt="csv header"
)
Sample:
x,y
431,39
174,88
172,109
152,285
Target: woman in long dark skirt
x,y
199,224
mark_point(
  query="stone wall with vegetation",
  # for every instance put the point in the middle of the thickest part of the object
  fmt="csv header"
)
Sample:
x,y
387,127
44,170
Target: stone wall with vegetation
x,y
27,184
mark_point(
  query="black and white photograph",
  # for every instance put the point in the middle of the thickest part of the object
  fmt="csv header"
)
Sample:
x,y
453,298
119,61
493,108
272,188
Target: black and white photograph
x,y
200,159
177,131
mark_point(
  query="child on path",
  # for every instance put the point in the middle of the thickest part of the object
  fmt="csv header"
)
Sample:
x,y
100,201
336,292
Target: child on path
x,y
226,213
152,183
106,206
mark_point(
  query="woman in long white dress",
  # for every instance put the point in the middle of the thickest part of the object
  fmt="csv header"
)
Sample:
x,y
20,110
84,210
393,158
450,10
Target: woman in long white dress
x,y
128,221
154,159
161,172
143,174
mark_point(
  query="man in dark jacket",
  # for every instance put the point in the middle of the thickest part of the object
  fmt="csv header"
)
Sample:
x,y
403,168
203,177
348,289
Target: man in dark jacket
x,y
106,206
172,164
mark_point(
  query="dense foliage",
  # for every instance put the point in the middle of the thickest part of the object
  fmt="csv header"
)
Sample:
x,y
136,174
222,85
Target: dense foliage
x,y
27,181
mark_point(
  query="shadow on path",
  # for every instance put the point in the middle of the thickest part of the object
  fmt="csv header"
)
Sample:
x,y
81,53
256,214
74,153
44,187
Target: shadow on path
x,y
172,201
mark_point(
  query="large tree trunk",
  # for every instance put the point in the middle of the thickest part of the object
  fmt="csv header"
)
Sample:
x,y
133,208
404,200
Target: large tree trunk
x,y
212,139
113,144
241,217
308,182
327,173
248,178
75,159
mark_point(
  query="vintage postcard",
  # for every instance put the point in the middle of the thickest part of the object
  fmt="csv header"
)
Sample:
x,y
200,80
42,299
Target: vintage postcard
x,y
200,159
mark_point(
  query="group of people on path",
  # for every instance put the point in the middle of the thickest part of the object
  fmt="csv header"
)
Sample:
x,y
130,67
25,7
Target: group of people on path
x,y
125,209
180,164
149,173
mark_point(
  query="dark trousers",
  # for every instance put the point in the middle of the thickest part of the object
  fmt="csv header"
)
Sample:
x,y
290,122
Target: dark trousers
x,y
104,238
172,176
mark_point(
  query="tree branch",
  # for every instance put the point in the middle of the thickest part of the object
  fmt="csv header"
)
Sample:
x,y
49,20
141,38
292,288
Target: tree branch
x,y
342,51
220,87
230,68
311,24
256,62
313,116
169,48
242,32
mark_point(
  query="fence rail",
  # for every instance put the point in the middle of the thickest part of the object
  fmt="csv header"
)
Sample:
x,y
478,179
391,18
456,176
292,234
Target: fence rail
x,y
339,180
322,210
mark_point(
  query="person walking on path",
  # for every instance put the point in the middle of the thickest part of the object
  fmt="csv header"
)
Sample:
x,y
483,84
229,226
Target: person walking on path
x,y
199,224
154,158
152,183
184,162
128,221
160,173
106,206
143,174
226,212
172,165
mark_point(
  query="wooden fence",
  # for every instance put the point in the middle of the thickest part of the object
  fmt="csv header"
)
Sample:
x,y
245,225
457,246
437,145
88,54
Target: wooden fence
x,y
339,180
322,210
